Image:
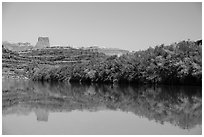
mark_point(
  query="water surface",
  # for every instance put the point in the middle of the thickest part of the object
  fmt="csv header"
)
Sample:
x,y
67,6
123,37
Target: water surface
x,y
57,108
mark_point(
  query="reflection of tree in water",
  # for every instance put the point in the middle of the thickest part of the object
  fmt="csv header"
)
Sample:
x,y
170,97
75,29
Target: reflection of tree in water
x,y
177,105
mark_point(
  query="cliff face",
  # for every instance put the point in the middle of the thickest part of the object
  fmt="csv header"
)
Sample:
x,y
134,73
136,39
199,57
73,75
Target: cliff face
x,y
17,46
108,51
43,42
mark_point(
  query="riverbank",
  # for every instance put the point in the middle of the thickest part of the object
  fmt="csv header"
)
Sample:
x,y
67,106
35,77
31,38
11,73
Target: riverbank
x,y
179,63
11,75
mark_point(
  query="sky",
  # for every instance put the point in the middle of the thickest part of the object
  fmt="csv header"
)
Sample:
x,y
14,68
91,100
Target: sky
x,y
132,25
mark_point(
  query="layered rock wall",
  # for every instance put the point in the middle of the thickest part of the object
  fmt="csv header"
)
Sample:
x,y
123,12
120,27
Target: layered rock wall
x,y
43,42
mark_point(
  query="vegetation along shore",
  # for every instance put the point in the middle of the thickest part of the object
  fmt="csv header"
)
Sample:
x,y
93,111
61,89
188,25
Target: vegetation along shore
x,y
178,63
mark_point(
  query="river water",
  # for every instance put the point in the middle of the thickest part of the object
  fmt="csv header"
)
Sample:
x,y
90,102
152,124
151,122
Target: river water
x,y
61,108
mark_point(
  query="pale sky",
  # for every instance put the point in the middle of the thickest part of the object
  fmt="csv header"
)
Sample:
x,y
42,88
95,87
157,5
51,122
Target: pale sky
x,y
131,26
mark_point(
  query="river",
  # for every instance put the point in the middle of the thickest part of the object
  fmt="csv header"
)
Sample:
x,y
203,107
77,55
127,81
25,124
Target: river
x,y
62,108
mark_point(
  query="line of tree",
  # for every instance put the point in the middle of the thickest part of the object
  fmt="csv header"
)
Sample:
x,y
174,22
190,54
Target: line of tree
x,y
178,63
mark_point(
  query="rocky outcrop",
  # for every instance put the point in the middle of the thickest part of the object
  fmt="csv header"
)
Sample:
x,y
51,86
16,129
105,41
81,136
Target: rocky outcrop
x,y
43,42
108,51
17,46
21,44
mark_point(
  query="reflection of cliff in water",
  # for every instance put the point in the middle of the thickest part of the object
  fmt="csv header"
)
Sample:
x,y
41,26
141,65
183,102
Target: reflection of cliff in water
x,y
41,114
181,106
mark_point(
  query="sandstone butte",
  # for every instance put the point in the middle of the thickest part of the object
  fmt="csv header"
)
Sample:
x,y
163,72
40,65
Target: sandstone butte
x,y
43,42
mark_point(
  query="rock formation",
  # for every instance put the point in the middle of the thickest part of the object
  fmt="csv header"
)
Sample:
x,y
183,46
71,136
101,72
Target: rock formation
x,y
42,42
20,46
